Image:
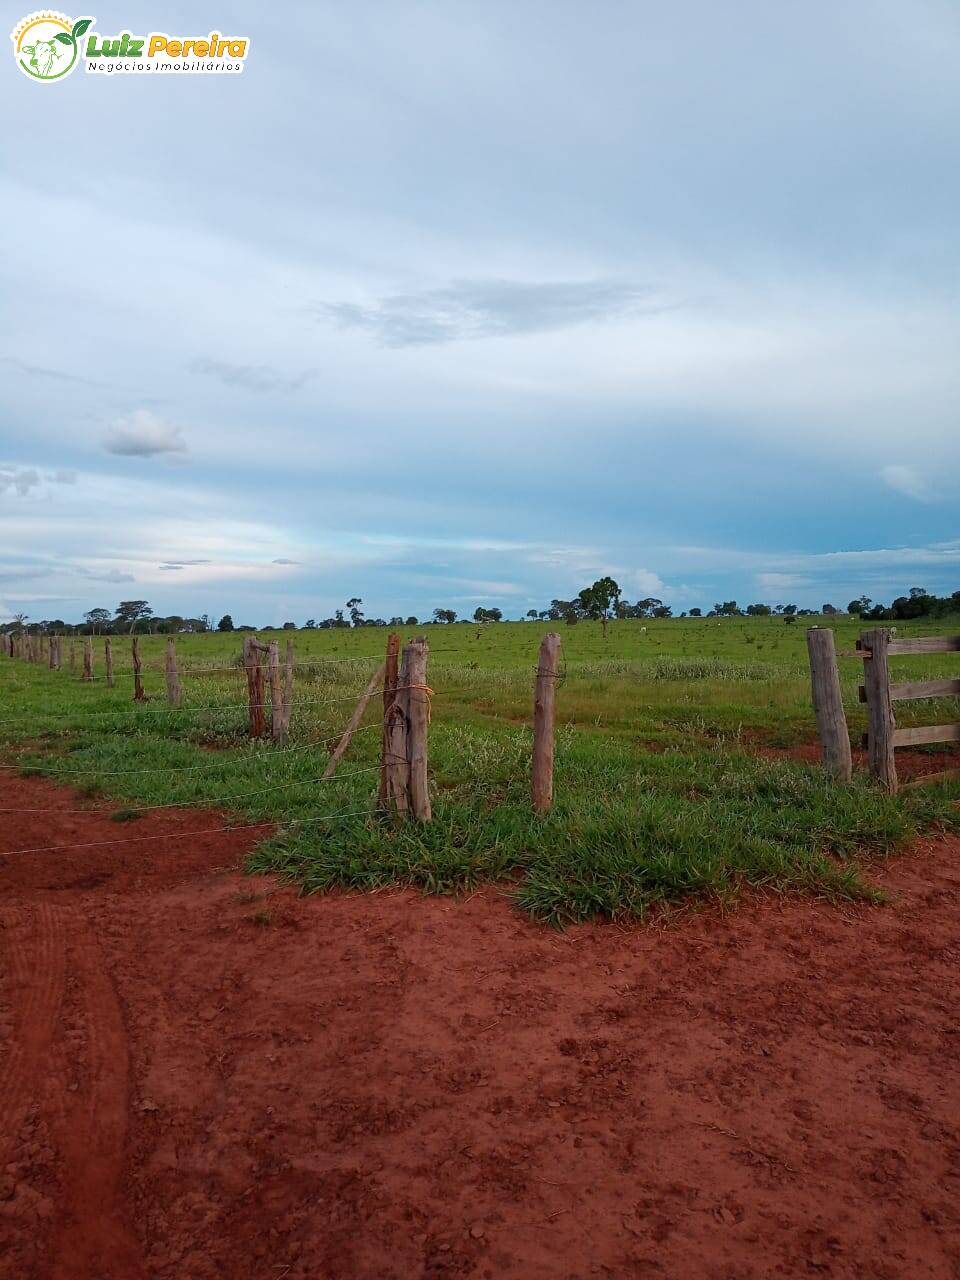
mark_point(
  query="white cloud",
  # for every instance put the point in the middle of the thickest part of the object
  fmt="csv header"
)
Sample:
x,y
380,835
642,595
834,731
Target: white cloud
x,y
143,435
779,581
20,479
643,581
908,481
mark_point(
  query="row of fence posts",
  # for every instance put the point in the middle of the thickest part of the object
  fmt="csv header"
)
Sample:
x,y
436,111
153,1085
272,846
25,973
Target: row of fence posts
x,y
404,788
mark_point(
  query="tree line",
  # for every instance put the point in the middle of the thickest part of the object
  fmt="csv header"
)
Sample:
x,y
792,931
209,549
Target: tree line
x,y
602,601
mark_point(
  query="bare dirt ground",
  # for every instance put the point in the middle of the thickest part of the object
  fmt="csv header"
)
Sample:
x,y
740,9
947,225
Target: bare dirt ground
x,y
197,1083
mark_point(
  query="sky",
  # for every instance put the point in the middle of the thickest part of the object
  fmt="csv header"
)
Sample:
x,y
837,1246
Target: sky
x,y
449,304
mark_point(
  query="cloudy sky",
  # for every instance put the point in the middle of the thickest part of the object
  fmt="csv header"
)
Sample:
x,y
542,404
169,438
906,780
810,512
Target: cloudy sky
x,y
446,304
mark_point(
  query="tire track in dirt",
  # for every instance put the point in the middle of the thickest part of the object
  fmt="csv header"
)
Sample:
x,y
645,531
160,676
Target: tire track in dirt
x,y
96,1237
33,944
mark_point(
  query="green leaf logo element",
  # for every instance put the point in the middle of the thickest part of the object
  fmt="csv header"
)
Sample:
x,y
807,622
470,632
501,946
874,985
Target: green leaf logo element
x,y
63,37
80,26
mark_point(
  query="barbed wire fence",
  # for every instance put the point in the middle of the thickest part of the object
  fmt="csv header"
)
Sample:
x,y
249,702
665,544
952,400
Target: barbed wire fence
x,y
403,792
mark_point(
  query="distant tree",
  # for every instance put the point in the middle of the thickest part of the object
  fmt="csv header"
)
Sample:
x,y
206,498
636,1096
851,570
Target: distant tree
x,y
411,621
289,626
353,605
860,607
829,609
310,624
789,610
481,614
19,619
532,615
600,600
225,623
729,609
98,619
759,610
444,615
132,611
644,608
662,611
696,613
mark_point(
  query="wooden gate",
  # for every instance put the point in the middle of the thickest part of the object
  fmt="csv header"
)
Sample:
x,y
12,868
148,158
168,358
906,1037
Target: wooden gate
x,y
880,693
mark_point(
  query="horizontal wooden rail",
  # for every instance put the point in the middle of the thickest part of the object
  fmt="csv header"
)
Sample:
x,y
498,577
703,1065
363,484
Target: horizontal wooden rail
x,y
920,689
925,689
925,644
926,733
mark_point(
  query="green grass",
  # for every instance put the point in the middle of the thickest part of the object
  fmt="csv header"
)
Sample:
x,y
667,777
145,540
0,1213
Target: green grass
x,y
661,794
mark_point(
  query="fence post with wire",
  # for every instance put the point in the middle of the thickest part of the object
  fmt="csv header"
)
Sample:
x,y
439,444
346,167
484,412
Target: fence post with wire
x,y
544,722
418,727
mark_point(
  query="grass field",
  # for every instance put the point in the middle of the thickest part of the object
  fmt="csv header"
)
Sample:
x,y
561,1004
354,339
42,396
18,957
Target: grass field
x,y
665,789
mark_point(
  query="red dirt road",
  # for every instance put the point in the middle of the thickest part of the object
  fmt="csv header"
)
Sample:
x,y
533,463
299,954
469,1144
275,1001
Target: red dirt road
x,y
388,1086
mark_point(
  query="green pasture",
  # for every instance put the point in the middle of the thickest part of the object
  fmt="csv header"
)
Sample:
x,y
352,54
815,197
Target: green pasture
x,y
673,777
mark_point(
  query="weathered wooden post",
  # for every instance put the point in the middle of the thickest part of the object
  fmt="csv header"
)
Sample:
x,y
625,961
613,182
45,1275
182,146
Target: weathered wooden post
x,y
418,722
73,655
828,703
138,693
544,720
395,762
287,690
876,679
276,692
255,688
58,653
172,675
88,657
108,661
391,671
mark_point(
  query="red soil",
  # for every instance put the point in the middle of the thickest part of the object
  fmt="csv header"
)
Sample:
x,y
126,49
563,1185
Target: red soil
x,y
390,1086
910,764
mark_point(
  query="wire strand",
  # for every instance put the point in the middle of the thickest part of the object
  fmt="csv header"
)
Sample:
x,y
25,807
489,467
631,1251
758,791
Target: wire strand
x,y
210,706
204,802
184,835
178,768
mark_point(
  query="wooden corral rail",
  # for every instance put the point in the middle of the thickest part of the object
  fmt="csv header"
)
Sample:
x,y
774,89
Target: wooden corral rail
x,y
880,693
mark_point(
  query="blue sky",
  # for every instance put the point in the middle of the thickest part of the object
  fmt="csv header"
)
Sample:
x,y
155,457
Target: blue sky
x,y
450,304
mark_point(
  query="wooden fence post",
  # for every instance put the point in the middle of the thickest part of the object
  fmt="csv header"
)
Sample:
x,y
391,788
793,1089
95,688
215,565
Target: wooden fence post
x,y
391,670
252,650
172,675
544,719
828,703
73,655
288,668
418,722
108,661
276,692
138,693
88,657
395,760
876,679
